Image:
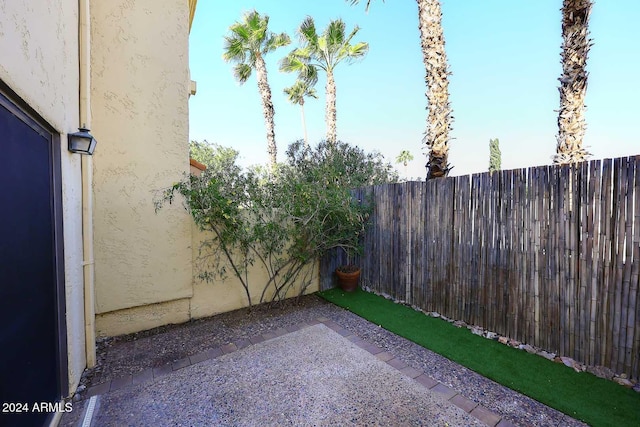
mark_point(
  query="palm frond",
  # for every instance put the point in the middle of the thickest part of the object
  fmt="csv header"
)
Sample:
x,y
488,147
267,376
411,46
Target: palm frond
x,y
351,35
366,8
299,91
275,41
302,53
240,31
249,38
298,62
292,94
234,50
254,22
312,93
307,33
351,52
260,34
323,48
242,72
358,51
291,63
310,75
334,34
257,26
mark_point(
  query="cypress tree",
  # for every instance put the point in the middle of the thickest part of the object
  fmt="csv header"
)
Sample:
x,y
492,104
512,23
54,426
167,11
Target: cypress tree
x,y
495,157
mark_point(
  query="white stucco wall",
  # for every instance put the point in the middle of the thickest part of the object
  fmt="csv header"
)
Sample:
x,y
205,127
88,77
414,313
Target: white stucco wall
x,y
39,61
139,105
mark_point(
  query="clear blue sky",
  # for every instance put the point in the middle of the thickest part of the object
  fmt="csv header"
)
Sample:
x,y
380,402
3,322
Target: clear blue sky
x,y
504,57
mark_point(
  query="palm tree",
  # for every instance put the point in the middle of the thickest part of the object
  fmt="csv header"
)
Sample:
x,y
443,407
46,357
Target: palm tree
x,y
324,52
404,157
296,95
246,45
437,79
573,81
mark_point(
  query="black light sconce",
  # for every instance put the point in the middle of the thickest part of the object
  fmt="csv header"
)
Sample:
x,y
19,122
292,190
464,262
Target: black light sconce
x,y
82,142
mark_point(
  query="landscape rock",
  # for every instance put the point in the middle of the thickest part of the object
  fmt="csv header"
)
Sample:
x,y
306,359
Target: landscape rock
x,y
546,355
623,382
601,372
527,348
491,335
569,362
459,324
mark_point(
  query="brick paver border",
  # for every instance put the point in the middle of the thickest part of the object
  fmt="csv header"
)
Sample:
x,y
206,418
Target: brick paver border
x,y
471,407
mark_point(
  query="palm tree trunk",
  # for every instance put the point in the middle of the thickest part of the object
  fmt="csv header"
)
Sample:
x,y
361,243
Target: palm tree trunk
x,y
435,61
330,114
573,81
304,123
267,109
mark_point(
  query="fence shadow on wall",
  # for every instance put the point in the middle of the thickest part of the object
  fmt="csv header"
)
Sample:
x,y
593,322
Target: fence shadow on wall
x,y
547,255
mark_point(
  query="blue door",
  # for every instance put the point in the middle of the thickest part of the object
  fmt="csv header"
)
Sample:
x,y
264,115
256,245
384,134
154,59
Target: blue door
x,y
32,332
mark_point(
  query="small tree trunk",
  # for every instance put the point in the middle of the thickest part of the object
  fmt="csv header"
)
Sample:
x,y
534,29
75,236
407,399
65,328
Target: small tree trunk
x,y
267,109
330,116
435,61
573,81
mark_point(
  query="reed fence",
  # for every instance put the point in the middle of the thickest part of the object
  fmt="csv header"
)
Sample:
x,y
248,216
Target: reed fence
x,y
547,255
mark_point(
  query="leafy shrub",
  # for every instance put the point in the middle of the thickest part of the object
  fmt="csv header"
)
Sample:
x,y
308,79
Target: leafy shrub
x,y
282,219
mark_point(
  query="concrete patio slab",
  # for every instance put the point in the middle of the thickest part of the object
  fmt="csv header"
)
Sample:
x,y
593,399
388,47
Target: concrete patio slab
x,y
312,376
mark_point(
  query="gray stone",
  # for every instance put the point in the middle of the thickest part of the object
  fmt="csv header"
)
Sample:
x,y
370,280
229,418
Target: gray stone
x,y
623,382
527,348
601,372
459,324
546,355
491,335
476,330
568,361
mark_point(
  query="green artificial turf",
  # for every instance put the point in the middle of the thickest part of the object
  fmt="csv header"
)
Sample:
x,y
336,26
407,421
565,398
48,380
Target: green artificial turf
x,y
584,396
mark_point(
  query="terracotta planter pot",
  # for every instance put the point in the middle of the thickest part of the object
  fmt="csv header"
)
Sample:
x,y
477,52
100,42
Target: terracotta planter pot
x,y
348,281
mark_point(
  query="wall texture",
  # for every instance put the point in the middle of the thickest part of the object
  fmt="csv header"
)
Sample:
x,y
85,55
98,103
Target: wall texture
x,y
139,102
39,61
210,298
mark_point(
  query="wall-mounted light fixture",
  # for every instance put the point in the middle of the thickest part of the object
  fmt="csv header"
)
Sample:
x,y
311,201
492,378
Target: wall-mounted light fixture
x,y
82,142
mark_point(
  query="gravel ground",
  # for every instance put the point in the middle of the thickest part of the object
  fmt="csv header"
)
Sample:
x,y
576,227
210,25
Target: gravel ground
x,y
311,377
134,353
